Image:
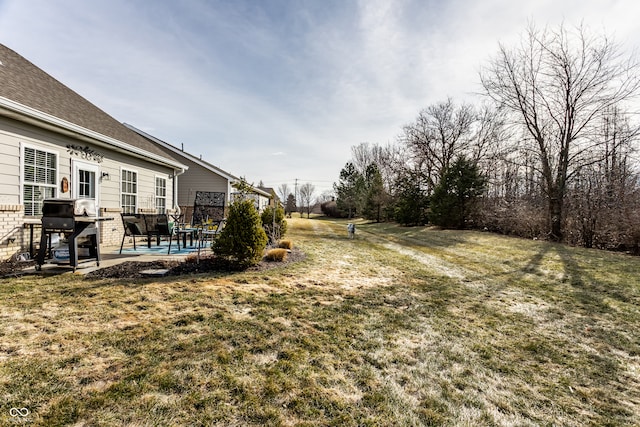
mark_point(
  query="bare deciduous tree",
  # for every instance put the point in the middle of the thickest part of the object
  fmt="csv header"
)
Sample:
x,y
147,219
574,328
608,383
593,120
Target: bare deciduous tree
x,y
283,192
602,194
306,193
557,84
440,133
366,154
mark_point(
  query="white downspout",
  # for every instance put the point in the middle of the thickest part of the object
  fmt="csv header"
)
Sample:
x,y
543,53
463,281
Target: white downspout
x,y
176,206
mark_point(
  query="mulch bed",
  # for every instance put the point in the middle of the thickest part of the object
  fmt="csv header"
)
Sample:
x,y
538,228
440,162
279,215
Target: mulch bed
x,y
134,269
13,267
207,264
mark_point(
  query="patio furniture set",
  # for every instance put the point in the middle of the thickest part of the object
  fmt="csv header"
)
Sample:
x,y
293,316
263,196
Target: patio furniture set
x,y
206,223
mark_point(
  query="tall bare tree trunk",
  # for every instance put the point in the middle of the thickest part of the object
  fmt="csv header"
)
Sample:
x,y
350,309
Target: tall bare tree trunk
x,y
555,217
557,85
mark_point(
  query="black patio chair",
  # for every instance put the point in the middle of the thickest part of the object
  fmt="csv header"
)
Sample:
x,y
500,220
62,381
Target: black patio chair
x,y
146,225
134,225
158,226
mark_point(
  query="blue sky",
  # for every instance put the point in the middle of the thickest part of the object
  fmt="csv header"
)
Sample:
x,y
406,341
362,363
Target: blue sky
x,y
279,90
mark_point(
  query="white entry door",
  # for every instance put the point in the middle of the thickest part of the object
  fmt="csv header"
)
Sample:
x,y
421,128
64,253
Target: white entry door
x,y
85,181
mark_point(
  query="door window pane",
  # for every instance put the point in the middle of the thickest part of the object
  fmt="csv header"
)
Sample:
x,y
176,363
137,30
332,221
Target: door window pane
x,y
86,184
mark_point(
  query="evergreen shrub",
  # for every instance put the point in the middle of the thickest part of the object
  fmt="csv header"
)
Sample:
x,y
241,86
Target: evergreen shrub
x,y
243,239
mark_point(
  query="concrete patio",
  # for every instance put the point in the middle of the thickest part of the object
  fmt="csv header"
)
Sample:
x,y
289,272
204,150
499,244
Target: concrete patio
x,y
109,257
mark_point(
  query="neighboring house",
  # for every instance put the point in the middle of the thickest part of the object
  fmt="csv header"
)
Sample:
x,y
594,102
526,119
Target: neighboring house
x,y
55,143
261,198
274,200
201,176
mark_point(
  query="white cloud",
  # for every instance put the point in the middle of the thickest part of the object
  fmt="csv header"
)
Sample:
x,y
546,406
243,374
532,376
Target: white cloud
x,y
241,82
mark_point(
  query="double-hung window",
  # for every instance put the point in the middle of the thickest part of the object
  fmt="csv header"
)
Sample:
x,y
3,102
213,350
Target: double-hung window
x,y
40,172
128,191
161,195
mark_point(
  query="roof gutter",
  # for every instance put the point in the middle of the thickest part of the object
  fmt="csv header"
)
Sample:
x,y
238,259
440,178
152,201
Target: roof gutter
x,y
38,117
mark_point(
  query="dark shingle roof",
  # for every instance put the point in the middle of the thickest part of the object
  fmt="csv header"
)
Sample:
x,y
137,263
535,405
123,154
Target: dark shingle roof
x,y
182,155
24,83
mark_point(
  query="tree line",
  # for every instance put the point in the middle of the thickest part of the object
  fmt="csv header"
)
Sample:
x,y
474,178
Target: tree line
x,y
549,152
299,200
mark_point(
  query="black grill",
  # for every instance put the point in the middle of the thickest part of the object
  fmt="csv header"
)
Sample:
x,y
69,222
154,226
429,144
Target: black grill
x,y
76,220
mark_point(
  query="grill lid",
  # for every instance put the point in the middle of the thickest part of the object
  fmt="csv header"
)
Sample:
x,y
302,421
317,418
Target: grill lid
x,y
69,207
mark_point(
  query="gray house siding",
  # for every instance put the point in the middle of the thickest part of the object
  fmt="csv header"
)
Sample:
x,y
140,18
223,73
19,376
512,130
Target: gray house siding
x,y
9,169
199,178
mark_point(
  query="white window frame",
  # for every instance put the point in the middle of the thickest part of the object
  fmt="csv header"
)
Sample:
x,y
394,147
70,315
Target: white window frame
x,y
155,192
23,182
122,193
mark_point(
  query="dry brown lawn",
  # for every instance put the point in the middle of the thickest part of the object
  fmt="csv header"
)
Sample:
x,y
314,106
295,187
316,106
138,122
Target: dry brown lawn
x,y
400,326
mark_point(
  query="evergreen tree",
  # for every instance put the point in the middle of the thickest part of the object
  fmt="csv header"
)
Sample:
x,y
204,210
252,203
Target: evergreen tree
x,y
347,189
373,195
411,200
454,197
243,239
290,205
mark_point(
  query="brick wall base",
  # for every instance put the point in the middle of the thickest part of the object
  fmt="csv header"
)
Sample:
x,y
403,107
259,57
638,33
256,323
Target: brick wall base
x,y
14,237
112,230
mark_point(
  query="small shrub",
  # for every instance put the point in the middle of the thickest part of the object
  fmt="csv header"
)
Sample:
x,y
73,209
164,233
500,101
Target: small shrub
x,y
191,259
242,239
274,223
276,255
285,244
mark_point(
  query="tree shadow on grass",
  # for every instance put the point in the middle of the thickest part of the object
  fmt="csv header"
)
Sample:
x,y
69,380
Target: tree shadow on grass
x,y
587,293
591,293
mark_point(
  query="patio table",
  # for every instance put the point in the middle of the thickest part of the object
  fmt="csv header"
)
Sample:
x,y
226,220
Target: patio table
x,y
182,231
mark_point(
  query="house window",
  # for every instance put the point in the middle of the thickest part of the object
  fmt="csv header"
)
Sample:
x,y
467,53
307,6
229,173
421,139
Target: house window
x,y
161,195
128,190
40,169
86,184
